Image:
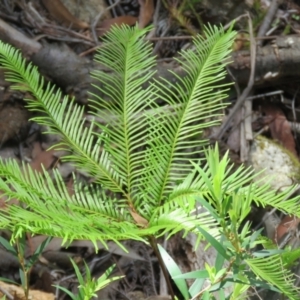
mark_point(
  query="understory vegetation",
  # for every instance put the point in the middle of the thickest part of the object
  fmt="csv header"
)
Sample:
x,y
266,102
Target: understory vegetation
x,y
153,172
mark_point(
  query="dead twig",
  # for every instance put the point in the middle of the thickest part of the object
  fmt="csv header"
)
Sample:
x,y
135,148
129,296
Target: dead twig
x,y
241,100
264,27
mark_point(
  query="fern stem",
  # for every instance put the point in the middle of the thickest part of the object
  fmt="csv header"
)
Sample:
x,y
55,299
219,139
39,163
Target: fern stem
x,y
153,243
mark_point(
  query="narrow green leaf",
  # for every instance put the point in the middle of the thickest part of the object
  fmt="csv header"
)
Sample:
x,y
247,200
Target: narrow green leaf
x,y
8,280
70,294
77,272
207,205
8,246
197,286
192,275
217,245
23,279
174,271
220,259
206,295
38,251
267,252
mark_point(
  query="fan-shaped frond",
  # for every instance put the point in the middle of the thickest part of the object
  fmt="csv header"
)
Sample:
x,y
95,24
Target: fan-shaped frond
x,y
176,140
272,270
141,155
49,209
62,117
130,63
172,219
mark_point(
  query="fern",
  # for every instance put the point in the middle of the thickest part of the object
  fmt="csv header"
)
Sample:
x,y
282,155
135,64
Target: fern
x,y
272,270
145,161
134,156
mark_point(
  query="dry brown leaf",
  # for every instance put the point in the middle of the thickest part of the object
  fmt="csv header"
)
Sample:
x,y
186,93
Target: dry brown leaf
x,y
41,157
140,221
59,12
106,25
288,224
146,12
279,127
88,11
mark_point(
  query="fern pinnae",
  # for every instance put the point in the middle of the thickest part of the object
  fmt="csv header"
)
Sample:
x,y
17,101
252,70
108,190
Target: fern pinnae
x,y
50,102
272,270
203,73
129,99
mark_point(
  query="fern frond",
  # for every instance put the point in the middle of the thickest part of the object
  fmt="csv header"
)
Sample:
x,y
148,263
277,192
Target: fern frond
x,y
130,63
215,182
141,155
272,270
199,95
62,117
172,219
280,201
49,209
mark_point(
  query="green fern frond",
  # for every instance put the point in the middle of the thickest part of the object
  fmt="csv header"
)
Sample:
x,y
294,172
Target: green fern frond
x,y
272,270
49,208
130,63
215,183
174,220
280,201
199,94
137,158
62,117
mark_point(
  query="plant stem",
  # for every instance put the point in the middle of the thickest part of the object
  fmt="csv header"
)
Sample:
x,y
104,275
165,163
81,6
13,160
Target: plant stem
x,y
153,244
23,269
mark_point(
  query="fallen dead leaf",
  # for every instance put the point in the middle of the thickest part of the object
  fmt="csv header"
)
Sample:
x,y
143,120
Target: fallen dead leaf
x,y
140,221
146,12
59,12
88,11
287,225
41,157
279,127
106,25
